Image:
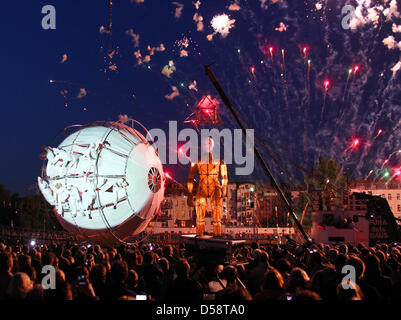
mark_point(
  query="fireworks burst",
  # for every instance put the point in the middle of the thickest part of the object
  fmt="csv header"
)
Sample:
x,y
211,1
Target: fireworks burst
x,y
329,85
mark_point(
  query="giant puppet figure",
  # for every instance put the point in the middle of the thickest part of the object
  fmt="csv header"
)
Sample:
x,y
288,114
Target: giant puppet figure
x,y
209,187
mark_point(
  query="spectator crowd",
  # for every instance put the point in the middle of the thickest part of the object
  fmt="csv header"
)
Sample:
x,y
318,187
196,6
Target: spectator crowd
x,y
164,272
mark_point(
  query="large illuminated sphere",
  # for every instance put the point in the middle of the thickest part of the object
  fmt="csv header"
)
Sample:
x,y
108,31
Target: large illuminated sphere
x,y
105,181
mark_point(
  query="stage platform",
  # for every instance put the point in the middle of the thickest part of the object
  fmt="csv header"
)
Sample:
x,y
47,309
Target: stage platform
x,y
211,241
210,249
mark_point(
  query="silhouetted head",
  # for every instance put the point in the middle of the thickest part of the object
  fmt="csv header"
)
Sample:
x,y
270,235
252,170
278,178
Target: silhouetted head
x,y
273,280
372,263
343,249
167,251
306,295
316,258
119,272
133,278
164,264
6,262
283,266
230,274
182,268
358,264
351,292
299,279
19,286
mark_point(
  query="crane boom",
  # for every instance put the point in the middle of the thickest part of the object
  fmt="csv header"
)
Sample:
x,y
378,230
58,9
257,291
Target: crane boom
x,y
227,102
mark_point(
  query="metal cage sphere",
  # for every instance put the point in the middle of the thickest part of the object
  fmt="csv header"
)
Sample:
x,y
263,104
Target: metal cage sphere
x,y
105,181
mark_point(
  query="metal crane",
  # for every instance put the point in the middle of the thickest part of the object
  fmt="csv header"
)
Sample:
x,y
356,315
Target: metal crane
x,y
229,105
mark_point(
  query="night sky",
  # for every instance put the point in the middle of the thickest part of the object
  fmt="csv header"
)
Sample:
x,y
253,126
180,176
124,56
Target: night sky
x,y
355,119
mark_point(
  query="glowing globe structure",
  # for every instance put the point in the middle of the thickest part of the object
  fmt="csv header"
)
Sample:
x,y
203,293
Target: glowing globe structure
x,y
105,181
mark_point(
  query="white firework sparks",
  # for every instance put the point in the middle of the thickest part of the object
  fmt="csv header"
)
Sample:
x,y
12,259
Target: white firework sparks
x,y
222,24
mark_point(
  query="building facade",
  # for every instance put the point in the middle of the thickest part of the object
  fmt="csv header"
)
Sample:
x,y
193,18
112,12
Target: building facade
x,y
392,194
393,197
246,204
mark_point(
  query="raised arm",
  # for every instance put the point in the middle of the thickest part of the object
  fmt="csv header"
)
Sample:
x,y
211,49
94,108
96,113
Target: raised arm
x,y
224,177
190,180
